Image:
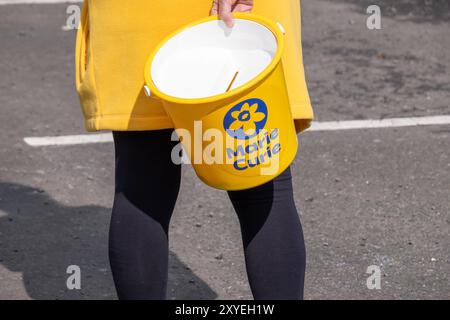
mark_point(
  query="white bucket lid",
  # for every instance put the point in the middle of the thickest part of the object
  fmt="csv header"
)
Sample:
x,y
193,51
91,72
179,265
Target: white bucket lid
x,y
202,61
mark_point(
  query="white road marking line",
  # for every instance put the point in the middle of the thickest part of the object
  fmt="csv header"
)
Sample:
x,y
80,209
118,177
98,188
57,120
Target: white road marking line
x,y
68,140
317,126
10,2
383,123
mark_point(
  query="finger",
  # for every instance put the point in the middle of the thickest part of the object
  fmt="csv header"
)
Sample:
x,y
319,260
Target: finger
x,y
225,12
243,8
214,9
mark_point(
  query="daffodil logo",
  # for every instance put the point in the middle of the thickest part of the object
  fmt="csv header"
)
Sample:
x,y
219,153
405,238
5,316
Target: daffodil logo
x,y
246,119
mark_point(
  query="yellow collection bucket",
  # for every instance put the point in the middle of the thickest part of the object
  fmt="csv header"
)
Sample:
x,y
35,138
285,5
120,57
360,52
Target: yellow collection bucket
x,y
225,91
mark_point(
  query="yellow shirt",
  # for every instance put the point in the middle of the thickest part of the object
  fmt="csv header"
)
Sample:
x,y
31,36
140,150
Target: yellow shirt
x,y
115,38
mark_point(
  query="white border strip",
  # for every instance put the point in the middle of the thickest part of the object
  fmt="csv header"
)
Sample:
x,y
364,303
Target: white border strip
x,y
316,126
10,2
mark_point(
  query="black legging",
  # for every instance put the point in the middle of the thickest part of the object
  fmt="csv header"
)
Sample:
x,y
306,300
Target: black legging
x,y
147,186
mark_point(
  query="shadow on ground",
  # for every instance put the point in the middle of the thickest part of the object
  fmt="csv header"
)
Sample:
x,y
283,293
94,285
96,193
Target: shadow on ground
x,y
415,10
40,238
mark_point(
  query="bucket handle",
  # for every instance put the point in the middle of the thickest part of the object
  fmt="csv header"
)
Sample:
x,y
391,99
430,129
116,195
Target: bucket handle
x,y
282,29
147,91
149,94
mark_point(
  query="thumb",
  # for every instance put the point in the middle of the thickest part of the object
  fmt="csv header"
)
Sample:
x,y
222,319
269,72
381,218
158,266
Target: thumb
x,y
225,13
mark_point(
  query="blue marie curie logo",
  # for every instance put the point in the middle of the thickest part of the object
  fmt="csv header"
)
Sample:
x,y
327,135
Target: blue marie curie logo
x,y
243,122
246,119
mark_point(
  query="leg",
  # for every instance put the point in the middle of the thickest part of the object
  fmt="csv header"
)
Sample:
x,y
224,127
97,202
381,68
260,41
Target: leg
x,y
273,239
147,185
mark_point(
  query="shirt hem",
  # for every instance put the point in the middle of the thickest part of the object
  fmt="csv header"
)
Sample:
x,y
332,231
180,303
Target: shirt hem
x,y
147,123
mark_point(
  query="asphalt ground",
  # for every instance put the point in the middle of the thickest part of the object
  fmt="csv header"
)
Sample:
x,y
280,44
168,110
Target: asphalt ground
x,y
366,197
